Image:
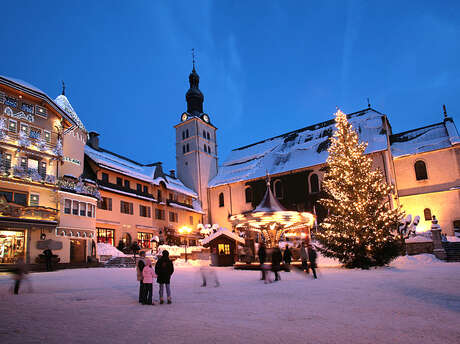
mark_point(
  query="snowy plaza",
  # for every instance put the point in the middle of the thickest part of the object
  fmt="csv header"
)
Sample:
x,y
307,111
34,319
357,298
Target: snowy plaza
x,y
415,300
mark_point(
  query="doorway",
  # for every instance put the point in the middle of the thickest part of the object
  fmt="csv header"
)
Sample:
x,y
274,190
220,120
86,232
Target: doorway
x,y
77,251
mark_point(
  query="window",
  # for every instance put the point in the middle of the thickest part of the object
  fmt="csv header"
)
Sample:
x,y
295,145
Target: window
x,y
144,211
223,249
208,136
9,101
34,200
24,128
126,207
159,214
420,170
33,164
67,206
221,199
170,196
248,194
127,186
27,108
82,209
42,169
91,210
427,214
183,149
209,150
173,217
139,187
159,196
188,148
146,190
314,183
278,186
186,133
204,134
105,203
13,126
190,219
40,111
7,161
47,136
105,236
23,162
183,135
143,239
15,197
205,148
119,181
105,177
35,133
75,207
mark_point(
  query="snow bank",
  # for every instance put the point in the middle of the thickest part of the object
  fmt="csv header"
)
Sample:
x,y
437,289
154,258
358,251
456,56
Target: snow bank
x,y
417,260
108,250
177,250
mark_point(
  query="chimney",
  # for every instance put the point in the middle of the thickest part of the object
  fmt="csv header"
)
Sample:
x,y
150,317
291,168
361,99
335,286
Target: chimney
x,y
93,141
172,173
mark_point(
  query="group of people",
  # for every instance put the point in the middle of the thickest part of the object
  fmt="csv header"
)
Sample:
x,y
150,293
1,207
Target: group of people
x,y
163,270
307,255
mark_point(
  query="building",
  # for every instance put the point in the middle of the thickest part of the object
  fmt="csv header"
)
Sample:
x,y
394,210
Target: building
x,y
139,202
41,144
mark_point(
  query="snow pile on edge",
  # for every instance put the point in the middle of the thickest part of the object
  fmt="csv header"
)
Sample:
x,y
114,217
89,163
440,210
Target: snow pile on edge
x,y
417,260
108,250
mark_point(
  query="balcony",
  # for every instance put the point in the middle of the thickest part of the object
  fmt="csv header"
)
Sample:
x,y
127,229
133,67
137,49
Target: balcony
x,y
78,186
23,140
28,174
32,213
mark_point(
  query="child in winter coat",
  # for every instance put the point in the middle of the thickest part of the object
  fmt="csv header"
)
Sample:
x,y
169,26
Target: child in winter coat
x,y
164,269
148,274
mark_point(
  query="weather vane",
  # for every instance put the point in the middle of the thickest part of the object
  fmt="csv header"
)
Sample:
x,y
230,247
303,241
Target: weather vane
x,y
63,88
193,57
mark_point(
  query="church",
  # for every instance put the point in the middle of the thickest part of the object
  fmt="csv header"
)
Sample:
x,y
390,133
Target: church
x,y
423,164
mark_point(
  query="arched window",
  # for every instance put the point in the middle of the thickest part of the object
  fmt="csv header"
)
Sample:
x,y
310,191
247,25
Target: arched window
x,y
205,148
278,186
221,199
427,214
209,150
183,135
420,170
186,133
314,183
208,136
183,149
204,134
188,148
248,194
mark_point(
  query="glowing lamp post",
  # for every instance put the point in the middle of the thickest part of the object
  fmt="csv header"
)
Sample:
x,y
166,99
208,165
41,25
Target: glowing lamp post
x,y
186,231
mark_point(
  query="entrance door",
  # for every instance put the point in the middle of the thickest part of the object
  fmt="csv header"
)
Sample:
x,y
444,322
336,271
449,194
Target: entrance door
x,y
77,251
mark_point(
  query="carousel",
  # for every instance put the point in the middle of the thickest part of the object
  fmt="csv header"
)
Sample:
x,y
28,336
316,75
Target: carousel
x,y
273,221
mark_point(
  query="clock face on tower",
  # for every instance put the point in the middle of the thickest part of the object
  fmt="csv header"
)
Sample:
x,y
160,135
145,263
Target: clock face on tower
x,y
184,117
206,118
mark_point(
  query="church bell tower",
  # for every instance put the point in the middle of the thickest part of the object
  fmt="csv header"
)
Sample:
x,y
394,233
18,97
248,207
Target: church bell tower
x,y
196,144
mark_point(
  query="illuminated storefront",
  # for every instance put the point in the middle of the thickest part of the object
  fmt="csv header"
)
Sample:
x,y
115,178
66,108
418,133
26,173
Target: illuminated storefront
x,y
12,245
106,236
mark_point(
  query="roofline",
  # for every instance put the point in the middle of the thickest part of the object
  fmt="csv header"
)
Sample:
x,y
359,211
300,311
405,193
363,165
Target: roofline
x,y
412,130
310,127
37,94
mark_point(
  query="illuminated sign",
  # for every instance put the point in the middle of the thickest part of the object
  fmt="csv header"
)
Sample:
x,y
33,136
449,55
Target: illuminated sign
x,y
73,161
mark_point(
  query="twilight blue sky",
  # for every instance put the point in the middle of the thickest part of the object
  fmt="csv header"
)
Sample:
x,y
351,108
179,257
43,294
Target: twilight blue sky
x,y
266,67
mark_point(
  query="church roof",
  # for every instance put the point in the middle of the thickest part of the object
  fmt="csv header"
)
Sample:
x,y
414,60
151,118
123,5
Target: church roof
x,y
298,149
425,139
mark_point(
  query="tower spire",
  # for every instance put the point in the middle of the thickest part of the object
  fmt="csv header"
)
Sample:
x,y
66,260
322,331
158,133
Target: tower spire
x,y
193,58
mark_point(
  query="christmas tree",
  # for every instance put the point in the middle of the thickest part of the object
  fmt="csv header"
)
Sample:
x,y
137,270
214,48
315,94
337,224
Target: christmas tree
x,y
361,228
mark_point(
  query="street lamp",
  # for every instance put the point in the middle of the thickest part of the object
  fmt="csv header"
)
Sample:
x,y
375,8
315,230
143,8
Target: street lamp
x,y
186,231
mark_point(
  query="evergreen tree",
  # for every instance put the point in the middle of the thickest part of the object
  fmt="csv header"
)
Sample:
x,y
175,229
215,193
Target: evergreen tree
x,y
361,228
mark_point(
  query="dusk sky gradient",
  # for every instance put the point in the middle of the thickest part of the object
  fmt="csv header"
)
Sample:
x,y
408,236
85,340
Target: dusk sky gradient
x,y
266,67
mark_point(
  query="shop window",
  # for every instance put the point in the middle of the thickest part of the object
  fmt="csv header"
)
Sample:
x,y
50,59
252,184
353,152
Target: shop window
x,y
67,206
223,249
75,207
221,200
427,214
144,211
105,236
420,170
126,207
12,244
248,194
82,209
279,190
144,239
34,200
314,183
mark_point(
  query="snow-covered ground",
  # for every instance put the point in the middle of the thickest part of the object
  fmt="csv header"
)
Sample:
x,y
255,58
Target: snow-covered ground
x,y
416,300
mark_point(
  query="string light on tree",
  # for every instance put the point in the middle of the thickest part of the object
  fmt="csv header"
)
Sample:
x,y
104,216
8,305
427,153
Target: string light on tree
x,y
361,228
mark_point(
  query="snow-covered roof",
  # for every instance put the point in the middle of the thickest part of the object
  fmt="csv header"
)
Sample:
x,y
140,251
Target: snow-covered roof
x,y
429,138
218,233
23,83
64,104
297,149
136,170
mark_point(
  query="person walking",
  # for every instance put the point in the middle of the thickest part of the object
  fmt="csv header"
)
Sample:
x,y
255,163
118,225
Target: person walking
x,y
164,268
48,258
141,263
148,274
18,273
287,257
277,257
262,253
304,257
312,258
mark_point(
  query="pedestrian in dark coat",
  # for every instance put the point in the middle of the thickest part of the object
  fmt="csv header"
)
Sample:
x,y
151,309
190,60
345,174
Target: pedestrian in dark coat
x,y
48,257
262,253
164,268
18,272
304,257
287,257
141,263
277,257
312,259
